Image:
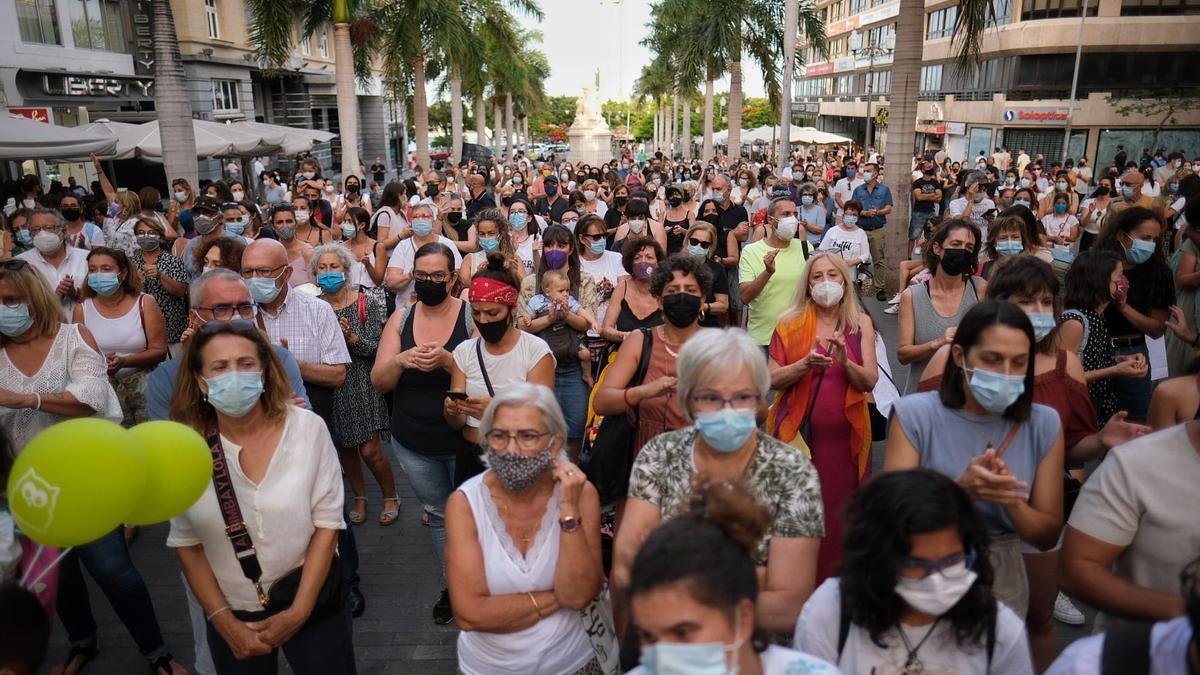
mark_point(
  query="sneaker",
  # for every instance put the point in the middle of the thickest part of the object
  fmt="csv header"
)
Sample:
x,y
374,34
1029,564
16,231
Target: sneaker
x,y
881,296
1066,611
894,300
892,309
443,613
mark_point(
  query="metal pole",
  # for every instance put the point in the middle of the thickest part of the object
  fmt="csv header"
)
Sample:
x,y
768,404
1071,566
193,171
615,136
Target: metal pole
x,y
1074,83
870,68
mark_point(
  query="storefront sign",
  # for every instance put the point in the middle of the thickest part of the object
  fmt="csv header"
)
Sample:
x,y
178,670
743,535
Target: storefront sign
x,y
35,114
818,69
1035,115
141,42
937,129
956,128
41,85
843,26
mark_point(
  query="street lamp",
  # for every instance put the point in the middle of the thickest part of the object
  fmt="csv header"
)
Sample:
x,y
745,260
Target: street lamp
x,y
859,49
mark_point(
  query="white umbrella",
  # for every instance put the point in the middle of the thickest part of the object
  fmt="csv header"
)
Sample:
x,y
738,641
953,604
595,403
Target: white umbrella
x,y
22,138
812,136
127,135
292,140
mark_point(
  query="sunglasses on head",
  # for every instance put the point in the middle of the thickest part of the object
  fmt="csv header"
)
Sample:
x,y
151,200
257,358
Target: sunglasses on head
x,y
692,241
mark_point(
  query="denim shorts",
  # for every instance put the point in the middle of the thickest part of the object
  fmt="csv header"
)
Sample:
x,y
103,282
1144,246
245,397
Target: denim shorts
x,y
572,395
916,223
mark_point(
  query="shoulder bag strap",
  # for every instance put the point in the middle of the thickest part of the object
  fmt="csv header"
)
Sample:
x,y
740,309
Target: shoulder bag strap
x,y
1012,433
644,359
231,513
482,368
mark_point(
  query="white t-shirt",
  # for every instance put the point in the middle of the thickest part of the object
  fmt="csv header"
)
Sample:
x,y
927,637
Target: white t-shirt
x,y
778,660
1057,225
402,258
958,207
1142,498
525,252
845,188
1169,641
503,370
817,634
851,244
1093,225
606,267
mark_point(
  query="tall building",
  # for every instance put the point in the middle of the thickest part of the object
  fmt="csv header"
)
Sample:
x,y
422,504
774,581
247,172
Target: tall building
x,y
1018,97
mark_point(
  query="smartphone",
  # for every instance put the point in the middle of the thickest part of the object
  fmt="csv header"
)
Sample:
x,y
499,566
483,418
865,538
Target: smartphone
x,y
457,395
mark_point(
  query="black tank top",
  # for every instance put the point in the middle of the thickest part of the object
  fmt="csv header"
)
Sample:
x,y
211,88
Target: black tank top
x,y
675,241
418,422
627,321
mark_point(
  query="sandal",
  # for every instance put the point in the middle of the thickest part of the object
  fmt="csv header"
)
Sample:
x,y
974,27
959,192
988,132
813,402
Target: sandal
x,y
166,664
388,516
78,656
359,517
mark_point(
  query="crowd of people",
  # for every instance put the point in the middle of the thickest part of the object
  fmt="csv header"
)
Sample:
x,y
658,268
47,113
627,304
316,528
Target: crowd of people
x,y
640,405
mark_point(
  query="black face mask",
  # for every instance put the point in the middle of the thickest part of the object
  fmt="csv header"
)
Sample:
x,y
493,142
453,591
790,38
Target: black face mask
x,y
681,309
507,201
675,201
453,217
956,261
431,293
712,219
431,190
353,187
493,331
621,201
71,215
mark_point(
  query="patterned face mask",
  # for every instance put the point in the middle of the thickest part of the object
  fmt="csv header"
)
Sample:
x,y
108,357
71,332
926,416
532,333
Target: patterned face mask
x,y
517,472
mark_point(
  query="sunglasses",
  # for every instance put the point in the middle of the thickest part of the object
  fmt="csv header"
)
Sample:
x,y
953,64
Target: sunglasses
x,y
692,241
13,265
243,327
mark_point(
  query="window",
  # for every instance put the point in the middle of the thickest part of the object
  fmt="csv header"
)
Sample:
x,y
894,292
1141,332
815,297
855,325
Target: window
x,y
1055,9
931,78
305,45
882,35
38,21
1001,13
97,24
941,23
1159,7
225,96
323,43
210,17
817,86
856,6
880,82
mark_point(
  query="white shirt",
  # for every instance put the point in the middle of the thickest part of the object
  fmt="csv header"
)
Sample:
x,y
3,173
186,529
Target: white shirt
x,y
605,268
402,259
91,236
817,634
778,660
310,327
845,188
1169,642
300,492
851,244
503,370
958,207
74,266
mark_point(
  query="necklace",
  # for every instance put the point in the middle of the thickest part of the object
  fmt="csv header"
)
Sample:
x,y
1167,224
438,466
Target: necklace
x,y
912,664
666,345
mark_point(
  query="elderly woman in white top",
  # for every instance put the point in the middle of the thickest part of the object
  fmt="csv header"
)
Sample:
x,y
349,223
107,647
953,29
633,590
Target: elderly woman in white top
x,y
282,470
523,545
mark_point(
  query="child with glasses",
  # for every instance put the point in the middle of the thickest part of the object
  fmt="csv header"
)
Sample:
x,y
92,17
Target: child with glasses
x,y
549,317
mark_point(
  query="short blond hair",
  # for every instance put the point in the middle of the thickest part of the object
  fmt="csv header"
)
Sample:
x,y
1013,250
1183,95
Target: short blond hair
x,y
44,306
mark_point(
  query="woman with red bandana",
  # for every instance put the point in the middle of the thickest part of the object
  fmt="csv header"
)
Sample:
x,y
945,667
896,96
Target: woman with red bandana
x,y
501,356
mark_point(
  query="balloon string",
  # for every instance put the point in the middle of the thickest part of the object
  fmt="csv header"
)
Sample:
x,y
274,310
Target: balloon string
x,y
50,567
37,553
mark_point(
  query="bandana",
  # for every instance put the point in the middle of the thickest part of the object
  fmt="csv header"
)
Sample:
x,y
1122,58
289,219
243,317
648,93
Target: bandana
x,y
484,289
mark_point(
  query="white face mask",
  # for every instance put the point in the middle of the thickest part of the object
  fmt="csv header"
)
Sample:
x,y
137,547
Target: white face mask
x,y
935,594
786,227
589,195
637,226
827,293
302,217
238,195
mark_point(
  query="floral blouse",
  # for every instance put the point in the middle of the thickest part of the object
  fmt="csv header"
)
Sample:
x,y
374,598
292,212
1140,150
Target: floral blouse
x,y
779,476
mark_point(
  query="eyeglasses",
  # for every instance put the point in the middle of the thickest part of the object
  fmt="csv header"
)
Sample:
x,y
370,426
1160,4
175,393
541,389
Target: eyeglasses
x,y
262,272
236,326
437,277
44,228
696,242
246,310
713,403
948,566
527,439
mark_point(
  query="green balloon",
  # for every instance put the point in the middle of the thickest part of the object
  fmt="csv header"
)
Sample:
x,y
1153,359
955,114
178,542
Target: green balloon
x,y
178,469
76,481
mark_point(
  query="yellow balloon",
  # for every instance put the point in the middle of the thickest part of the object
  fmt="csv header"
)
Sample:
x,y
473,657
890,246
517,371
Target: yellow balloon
x,y
178,469
76,481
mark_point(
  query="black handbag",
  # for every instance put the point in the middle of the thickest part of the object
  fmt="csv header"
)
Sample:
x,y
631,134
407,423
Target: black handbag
x,y
606,456
332,595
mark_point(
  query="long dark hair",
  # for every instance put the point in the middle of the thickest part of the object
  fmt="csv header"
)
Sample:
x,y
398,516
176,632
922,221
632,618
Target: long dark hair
x,y
942,233
979,318
881,519
557,234
1026,275
393,196
1162,284
1087,284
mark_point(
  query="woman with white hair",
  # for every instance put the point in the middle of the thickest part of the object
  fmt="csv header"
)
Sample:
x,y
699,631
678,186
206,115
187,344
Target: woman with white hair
x,y
723,387
523,545
360,416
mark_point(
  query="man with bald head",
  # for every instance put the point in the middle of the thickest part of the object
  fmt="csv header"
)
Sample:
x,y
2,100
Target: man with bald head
x,y
478,198
1131,193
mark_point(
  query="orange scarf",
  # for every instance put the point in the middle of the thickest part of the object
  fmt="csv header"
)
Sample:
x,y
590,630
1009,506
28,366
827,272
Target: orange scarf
x,y
793,339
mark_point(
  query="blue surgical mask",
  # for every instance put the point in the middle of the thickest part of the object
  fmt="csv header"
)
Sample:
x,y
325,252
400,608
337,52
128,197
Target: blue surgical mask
x,y
349,230
681,658
1020,202
1060,208
718,198
1140,251
806,199
1025,182
331,282
1173,187
25,238
995,392
422,227
726,429
868,176
978,197
15,320
598,246
104,283
262,291
489,244
236,392
518,220
697,251
1009,247
235,227
1127,191
849,220
1043,324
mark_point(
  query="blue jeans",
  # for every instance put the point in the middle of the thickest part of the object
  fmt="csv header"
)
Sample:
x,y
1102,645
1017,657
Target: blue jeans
x,y
572,394
107,560
432,479
1133,393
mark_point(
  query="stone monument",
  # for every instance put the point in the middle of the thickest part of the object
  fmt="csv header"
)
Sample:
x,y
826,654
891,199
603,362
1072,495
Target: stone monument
x,y
589,136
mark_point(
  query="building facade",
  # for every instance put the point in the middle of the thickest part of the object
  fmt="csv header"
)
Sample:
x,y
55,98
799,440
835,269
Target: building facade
x,y
1018,97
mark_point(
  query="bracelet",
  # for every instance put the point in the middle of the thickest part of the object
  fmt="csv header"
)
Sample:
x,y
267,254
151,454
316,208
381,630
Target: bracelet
x,y
536,607
38,404
217,611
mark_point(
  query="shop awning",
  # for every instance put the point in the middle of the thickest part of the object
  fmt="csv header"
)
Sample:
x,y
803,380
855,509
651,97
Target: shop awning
x,y
213,139
22,138
813,136
291,140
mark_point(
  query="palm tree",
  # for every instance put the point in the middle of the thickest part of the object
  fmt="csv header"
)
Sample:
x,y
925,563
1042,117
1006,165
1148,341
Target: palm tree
x,y
271,33
171,101
655,82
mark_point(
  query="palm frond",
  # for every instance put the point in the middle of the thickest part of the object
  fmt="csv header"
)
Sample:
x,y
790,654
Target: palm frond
x,y
969,28
272,23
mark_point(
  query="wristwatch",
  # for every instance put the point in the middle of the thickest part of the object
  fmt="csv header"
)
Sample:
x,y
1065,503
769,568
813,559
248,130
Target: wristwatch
x,y
568,523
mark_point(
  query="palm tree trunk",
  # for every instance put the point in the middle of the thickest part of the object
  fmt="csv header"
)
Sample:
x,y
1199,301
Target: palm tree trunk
x,y
480,121
902,128
790,20
456,116
496,120
674,122
687,126
420,113
347,98
657,119
175,129
707,152
525,135
510,146
735,108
